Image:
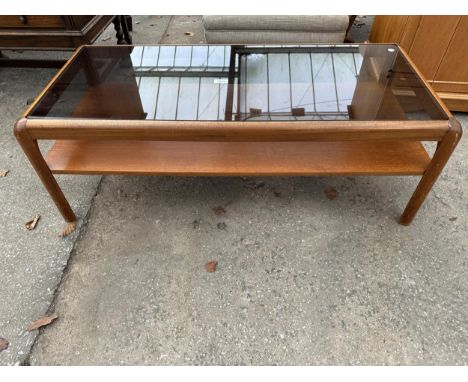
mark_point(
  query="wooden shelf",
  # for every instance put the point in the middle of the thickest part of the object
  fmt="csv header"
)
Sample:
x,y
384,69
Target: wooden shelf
x,y
237,158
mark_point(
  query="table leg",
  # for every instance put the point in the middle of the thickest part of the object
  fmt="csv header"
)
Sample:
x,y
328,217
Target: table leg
x,y
122,30
442,154
126,28
129,21
31,149
118,30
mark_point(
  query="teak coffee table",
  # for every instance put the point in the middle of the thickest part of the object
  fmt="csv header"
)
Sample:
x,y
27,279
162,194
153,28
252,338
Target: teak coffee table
x,y
239,110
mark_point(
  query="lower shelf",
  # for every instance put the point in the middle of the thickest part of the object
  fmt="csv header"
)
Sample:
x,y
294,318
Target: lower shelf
x,y
237,158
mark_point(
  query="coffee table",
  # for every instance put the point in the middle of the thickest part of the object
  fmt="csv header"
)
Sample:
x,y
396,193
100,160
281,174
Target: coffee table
x,y
244,110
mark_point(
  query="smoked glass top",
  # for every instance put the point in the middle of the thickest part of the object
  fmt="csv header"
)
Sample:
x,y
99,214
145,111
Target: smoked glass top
x,y
243,83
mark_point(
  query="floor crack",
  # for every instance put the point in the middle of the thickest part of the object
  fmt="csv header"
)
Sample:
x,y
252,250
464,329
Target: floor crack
x,y
80,233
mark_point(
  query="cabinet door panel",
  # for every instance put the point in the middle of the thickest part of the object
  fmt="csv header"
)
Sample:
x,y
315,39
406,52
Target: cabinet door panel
x,y
454,66
431,41
388,28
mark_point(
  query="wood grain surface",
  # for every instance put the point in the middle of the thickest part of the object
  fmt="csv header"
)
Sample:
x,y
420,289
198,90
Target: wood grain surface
x,y
237,158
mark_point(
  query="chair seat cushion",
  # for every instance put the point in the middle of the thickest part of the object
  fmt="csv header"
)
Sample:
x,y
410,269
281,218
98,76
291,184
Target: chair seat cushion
x,y
314,23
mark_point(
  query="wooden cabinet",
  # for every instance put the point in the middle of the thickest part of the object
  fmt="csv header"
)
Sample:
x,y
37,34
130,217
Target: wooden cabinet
x,y
438,45
50,32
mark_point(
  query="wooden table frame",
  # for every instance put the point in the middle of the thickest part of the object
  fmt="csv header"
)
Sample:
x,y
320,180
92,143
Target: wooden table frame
x,y
447,133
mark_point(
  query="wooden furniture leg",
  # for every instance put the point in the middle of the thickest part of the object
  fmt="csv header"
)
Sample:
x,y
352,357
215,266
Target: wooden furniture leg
x,y
122,30
34,155
118,30
126,28
442,154
129,21
350,24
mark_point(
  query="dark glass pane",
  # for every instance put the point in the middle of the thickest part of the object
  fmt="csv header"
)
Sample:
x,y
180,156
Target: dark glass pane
x,y
216,82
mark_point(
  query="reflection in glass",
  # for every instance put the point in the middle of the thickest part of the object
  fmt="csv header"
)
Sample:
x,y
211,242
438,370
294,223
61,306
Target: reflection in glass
x,y
217,82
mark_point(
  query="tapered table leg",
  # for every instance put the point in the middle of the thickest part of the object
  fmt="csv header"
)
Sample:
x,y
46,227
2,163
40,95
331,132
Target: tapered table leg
x,y
34,155
442,154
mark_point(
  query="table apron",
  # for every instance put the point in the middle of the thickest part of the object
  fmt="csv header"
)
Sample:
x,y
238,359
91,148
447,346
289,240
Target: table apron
x,y
237,132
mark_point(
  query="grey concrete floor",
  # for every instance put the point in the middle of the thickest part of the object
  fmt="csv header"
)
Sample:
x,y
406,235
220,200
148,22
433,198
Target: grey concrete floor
x,y
301,279
361,28
32,262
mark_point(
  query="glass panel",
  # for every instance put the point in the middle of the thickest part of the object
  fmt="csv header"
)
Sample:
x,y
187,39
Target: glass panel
x,y
281,82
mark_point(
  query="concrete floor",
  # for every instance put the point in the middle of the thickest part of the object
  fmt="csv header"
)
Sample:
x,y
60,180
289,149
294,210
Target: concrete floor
x,y
31,262
301,279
